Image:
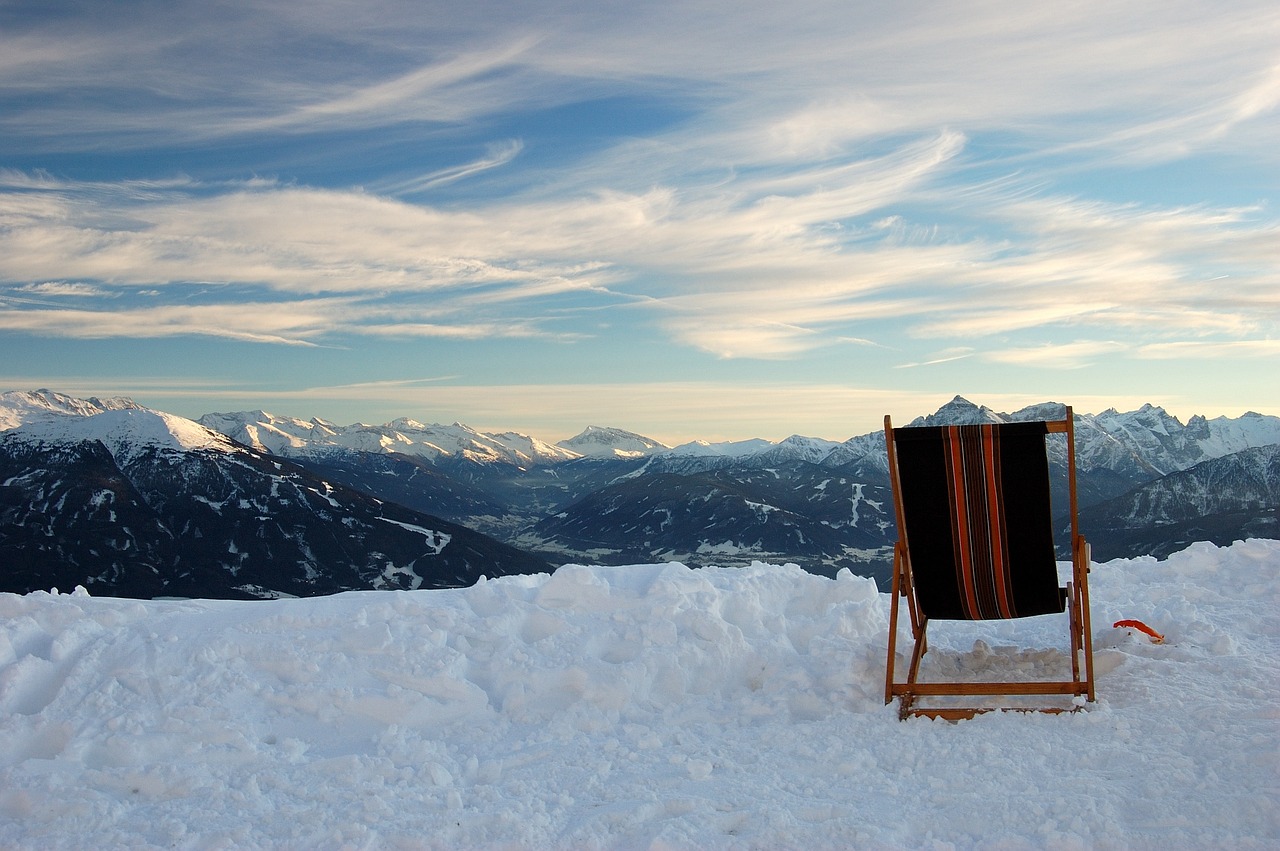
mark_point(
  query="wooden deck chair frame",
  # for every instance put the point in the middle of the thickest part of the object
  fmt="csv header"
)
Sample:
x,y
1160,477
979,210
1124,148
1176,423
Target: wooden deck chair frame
x,y
1076,604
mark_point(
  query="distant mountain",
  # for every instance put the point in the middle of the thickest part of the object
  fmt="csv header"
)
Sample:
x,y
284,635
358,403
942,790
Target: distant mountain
x,y
1153,439
132,502
960,411
1143,444
598,442
795,511
292,437
22,406
1221,500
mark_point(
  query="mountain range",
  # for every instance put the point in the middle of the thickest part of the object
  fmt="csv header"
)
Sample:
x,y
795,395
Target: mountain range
x,y
135,502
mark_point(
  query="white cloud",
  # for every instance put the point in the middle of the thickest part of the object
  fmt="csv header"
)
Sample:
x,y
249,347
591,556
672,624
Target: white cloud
x,y
497,155
1210,350
61,288
441,91
944,356
1073,355
289,324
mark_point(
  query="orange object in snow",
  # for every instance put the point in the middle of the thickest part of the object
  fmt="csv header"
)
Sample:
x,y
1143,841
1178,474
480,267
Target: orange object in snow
x,y
1156,638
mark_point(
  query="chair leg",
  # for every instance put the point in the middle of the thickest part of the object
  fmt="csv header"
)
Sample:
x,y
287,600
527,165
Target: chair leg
x,y
1073,615
894,592
1086,626
901,589
921,648
893,642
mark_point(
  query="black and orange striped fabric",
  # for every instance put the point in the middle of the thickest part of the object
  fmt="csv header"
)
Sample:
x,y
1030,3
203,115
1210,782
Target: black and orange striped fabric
x,y
978,519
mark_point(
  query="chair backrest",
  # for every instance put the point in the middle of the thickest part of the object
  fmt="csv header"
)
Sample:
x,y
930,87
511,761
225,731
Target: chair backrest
x,y
974,515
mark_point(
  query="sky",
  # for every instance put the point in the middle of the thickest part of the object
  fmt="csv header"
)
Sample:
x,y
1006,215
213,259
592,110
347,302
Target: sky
x,y
686,219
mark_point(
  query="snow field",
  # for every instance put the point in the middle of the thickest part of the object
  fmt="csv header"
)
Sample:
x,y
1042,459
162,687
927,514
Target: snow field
x,y
649,706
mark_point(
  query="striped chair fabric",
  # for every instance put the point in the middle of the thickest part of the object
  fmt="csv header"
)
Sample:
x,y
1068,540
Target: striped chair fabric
x,y
977,516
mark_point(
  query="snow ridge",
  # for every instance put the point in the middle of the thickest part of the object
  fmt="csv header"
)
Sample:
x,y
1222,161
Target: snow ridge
x,y
293,437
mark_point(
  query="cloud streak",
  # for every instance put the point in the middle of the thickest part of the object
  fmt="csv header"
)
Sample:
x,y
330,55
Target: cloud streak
x,y
498,155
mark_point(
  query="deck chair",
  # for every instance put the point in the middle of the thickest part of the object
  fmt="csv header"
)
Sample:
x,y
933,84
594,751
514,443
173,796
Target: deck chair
x,y
975,542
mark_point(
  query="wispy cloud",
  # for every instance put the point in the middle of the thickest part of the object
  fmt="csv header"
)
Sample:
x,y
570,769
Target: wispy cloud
x,y
59,290
497,155
1210,350
283,323
944,356
443,91
1060,356
301,322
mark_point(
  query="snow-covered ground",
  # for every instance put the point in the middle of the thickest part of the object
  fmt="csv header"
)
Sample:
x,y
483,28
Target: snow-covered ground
x,y
635,707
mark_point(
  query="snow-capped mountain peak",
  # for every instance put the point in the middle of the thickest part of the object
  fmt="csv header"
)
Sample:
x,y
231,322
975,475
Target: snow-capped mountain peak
x,y
127,430
408,424
959,411
601,442
799,448
1159,440
1222,436
22,406
728,449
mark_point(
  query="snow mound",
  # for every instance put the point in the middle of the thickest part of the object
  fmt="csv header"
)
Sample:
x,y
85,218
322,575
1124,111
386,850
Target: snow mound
x,y
650,706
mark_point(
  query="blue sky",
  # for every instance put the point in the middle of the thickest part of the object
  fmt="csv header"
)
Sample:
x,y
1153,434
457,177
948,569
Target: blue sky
x,y
687,219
